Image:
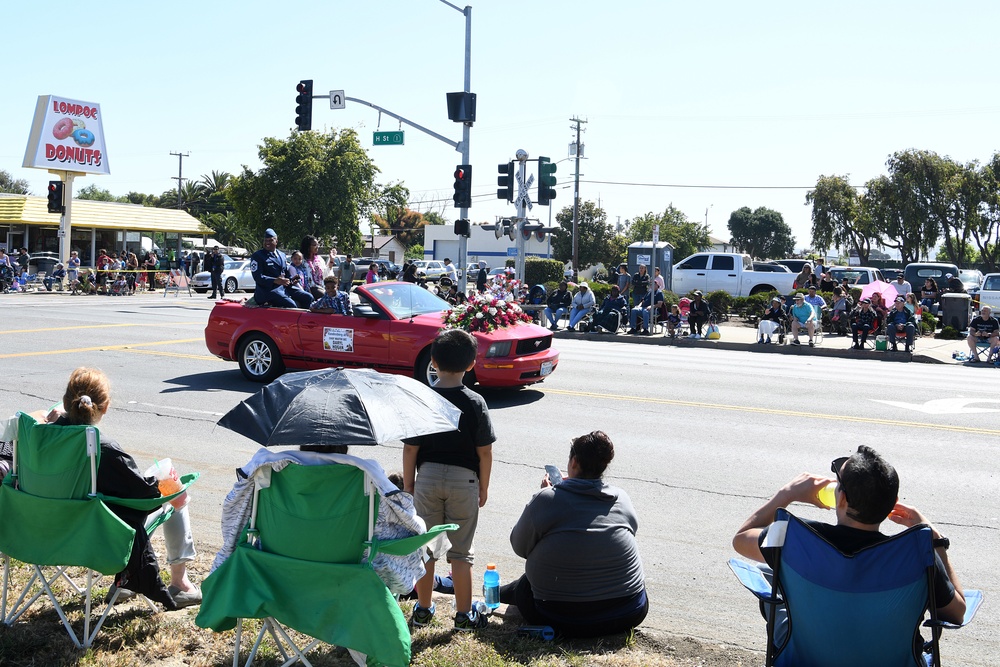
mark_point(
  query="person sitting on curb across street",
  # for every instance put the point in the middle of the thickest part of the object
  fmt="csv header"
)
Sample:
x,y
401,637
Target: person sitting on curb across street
x,y
674,320
929,293
583,574
558,303
698,315
624,281
985,327
879,306
583,304
642,310
773,318
900,320
640,284
802,316
804,278
842,307
866,495
902,287
333,301
864,322
270,270
818,303
58,273
609,317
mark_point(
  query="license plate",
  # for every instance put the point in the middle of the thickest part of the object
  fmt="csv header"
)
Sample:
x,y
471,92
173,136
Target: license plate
x,y
546,368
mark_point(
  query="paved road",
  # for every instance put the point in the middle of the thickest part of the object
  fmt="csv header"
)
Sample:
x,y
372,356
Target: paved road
x,y
702,438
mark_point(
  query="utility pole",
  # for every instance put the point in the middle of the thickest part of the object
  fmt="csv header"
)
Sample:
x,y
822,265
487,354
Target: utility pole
x,y
576,198
180,174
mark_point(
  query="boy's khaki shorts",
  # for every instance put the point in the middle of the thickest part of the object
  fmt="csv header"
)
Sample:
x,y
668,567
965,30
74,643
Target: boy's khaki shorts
x,y
449,494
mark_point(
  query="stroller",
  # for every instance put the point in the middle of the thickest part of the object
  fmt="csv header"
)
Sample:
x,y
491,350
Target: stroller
x,y
6,278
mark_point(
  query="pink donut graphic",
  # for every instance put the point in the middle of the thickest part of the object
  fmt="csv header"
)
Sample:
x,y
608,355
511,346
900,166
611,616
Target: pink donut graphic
x,y
63,128
83,137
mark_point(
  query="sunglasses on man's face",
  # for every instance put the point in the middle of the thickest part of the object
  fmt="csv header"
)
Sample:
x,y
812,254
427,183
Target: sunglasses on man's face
x,y
835,467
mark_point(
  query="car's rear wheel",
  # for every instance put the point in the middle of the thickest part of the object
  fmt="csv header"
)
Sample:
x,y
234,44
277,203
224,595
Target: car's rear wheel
x,y
425,369
231,285
259,358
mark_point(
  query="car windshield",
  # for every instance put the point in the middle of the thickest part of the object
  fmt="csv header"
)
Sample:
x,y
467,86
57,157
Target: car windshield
x,y
232,266
421,264
405,300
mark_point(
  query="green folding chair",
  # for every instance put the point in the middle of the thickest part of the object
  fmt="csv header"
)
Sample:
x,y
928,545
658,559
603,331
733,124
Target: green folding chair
x,y
305,563
53,516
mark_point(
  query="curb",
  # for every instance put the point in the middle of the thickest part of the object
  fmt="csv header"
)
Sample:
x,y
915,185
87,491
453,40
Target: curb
x,y
803,350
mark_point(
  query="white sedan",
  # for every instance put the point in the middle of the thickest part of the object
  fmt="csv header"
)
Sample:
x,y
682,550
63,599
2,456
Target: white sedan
x,y
235,276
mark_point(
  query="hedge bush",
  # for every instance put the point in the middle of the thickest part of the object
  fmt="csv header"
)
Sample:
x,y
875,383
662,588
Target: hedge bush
x,y
950,333
928,323
538,271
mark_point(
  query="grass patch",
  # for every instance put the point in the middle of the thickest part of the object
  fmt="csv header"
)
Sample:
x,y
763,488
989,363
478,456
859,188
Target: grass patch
x,y
135,635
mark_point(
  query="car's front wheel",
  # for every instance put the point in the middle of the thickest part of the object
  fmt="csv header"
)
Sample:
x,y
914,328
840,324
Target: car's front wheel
x,y
231,285
426,372
260,360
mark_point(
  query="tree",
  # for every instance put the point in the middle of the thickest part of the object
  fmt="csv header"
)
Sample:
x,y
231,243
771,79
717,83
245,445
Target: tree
x,y
838,219
761,233
595,235
986,233
686,236
433,218
407,225
231,231
11,185
907,206
94,193
968,257
311,183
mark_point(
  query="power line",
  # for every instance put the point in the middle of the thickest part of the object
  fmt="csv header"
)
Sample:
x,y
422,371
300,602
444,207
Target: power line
x,y
710,187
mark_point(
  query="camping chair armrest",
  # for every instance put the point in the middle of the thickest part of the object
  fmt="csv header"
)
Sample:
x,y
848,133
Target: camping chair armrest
x,y
973,598
753,580
150,504
408,545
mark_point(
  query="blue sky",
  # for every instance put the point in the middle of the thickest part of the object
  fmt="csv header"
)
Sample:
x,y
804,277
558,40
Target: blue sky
x,y
769,94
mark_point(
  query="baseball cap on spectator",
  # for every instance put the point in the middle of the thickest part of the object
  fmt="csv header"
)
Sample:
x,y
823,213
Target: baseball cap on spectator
x,y
812,287
899,298
775,298
868,301
697,292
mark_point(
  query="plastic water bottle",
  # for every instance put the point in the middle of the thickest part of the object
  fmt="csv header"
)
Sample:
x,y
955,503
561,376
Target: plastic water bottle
x,y
537,631
491,586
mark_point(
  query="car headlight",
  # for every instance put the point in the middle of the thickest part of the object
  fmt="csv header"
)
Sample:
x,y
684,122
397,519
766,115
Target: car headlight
x,y
499,349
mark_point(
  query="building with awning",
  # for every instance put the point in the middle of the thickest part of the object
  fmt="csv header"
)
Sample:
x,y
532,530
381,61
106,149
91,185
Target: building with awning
x,y
26,223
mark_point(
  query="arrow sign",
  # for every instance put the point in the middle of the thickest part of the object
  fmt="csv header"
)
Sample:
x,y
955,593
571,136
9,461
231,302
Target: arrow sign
x,y
337,99
947,406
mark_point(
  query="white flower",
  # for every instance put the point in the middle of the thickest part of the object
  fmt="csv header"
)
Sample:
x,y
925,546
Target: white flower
x,y
479,316
493,311
501,303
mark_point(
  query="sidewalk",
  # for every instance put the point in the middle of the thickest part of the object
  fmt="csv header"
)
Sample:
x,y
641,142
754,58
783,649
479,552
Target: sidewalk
x,y
927,349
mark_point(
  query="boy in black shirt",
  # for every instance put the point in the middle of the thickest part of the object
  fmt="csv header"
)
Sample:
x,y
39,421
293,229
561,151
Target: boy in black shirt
x,y
454,476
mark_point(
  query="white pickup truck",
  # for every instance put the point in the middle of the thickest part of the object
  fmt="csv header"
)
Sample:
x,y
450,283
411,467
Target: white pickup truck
x,y
989,294
728,271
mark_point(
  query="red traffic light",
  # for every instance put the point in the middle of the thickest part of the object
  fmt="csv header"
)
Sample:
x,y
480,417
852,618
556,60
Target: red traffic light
x,y
302,87
459,174
53,186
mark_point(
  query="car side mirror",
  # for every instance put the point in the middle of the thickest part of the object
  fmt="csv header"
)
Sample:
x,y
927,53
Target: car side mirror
x,y
367,312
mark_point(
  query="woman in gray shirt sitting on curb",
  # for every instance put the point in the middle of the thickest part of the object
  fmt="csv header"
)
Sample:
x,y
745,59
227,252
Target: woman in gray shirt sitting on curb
x,y
583,575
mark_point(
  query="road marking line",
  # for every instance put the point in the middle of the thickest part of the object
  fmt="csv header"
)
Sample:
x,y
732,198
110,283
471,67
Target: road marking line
x,y
775,411
98,348
159,353
93,326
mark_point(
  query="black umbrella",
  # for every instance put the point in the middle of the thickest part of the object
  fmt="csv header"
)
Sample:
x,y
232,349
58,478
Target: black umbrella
x,y
341,407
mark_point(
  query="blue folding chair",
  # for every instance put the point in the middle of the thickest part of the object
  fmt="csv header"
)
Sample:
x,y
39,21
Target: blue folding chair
x,y
863,610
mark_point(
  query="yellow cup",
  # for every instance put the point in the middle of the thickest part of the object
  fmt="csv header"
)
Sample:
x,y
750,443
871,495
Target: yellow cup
x,y
828,495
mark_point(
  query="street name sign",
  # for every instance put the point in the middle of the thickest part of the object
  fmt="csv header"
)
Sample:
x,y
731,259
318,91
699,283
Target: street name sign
x,y
387,138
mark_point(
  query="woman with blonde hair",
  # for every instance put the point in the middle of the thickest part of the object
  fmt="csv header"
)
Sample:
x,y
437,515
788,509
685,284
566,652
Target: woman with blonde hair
x,y
86,401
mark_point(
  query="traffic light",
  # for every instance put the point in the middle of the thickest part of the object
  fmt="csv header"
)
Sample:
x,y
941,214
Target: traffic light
x,y
463,186
546,181
506,181
304,105
56,197
463,228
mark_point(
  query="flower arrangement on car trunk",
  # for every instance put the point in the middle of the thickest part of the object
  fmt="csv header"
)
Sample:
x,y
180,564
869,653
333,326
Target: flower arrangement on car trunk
x,y
493,309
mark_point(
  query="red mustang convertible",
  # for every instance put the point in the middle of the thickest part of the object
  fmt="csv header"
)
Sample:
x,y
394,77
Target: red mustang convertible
x,y
391,331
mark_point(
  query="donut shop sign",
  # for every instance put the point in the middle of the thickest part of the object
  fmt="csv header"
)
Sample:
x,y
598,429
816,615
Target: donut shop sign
x,y
67,135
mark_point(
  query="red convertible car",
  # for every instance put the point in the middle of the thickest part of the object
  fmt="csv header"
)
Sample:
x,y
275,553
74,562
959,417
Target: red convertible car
x,y
391,331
